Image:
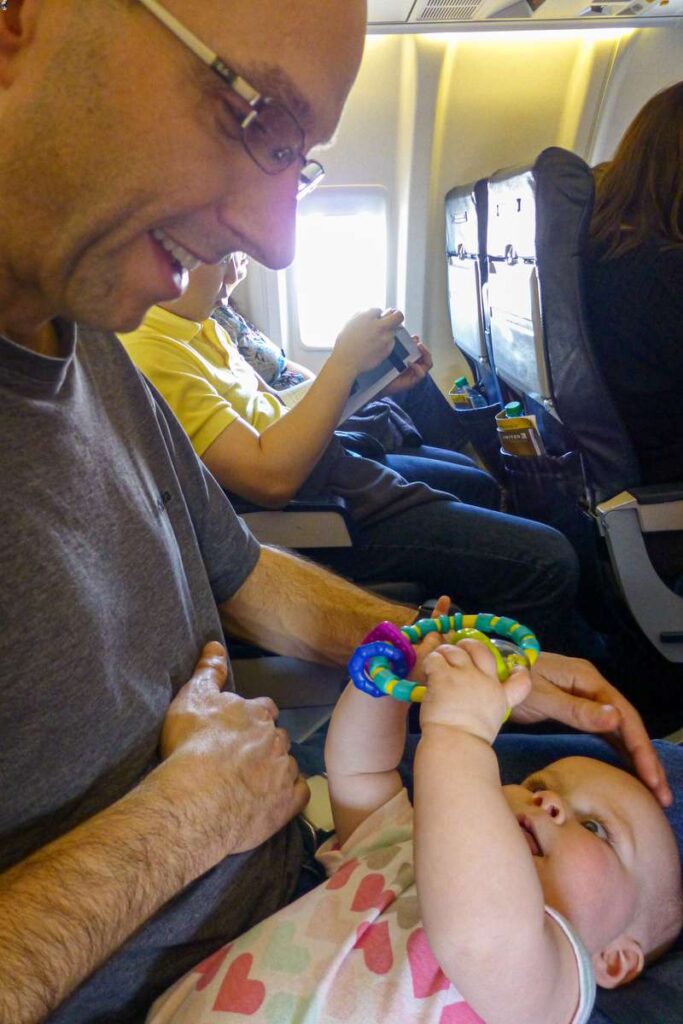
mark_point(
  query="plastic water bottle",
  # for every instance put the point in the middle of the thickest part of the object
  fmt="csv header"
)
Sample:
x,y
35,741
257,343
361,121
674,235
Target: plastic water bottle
x,y
518,433
463,396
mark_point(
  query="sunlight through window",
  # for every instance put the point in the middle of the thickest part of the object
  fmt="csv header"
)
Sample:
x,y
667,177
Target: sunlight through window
x,y
341,260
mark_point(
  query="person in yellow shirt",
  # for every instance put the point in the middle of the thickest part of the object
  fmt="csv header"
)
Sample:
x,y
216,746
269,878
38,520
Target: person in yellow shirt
x,y
401,529
254,446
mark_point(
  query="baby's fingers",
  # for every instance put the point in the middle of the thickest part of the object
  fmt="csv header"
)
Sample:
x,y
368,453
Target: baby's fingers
x,y
517,687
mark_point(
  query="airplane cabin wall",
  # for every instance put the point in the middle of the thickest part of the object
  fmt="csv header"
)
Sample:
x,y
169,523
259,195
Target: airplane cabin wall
x,y
649,61
433,111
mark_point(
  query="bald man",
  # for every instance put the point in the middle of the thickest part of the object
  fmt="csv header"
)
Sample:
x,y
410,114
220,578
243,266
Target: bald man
x,y
147,815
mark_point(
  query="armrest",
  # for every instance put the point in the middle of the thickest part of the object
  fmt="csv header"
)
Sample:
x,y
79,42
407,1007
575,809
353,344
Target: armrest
x,y
659,507
312,523
623,521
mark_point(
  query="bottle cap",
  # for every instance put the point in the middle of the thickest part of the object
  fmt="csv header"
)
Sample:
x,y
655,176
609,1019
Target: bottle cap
x,y
460,382
514,409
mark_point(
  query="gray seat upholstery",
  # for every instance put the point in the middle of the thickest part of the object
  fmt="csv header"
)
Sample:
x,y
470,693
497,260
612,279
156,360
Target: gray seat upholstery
x,y
466,216
320,523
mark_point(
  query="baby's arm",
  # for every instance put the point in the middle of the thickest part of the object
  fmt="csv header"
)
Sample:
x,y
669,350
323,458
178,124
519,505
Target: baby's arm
x,y
364,745
480,896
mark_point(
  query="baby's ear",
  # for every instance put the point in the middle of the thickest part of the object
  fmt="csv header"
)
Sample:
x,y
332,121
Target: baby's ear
x,y
620,962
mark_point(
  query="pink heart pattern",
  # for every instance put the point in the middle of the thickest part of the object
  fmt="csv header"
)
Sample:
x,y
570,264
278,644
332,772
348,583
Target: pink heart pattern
x,y
341,877
374,940
239,993
372,894
459,1013
210,967
427,976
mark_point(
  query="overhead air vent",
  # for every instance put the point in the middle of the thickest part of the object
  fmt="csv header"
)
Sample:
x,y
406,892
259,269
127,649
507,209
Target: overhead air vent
x,y
444,11
612,9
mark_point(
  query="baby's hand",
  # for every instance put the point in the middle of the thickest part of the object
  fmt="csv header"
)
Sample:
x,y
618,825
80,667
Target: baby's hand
x,y
463,690
367,339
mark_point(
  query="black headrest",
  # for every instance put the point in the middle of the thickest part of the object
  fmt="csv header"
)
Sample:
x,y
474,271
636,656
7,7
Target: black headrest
x,y
564,204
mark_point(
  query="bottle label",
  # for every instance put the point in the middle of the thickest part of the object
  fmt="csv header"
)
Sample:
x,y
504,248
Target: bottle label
x,y
519,436
460,399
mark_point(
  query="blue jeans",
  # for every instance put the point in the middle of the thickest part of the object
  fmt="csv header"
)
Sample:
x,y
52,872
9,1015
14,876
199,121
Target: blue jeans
x,y
433,415
447,471
485,560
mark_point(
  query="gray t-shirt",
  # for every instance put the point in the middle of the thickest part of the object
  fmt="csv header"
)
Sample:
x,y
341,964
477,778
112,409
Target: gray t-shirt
x,y
115,545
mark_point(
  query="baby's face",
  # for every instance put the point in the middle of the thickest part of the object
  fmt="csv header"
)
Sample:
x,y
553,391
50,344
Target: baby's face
x,y
602,847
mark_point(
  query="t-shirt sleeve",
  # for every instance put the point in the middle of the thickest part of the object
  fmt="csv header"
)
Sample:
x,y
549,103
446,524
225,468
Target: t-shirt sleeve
x,y
587,986
390,824
180,376
228,549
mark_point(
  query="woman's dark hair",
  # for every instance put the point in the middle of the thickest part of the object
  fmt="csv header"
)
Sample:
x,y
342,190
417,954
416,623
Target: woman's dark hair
x,y
639,193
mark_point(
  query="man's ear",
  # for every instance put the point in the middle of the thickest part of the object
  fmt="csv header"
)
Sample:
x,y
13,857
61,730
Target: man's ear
x,y
619,963
17,24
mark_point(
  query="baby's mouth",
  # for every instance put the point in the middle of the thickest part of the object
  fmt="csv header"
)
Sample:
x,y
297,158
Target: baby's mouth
x,y
530,835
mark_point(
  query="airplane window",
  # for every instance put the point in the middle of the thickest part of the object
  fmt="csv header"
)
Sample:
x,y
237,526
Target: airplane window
x,y
341,260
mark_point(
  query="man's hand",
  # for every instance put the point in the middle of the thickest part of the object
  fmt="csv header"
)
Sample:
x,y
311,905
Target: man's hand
x,y
413,373
572,691
230,759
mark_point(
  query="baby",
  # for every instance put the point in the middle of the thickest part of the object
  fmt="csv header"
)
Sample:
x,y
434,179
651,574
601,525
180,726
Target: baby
x,y
485,903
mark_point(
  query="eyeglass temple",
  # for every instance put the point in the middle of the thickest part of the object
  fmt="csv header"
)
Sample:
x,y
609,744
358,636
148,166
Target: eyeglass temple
x,y
201,50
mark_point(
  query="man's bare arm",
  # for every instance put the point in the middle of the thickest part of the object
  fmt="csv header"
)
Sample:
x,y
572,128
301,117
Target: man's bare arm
x,y
294,607
67,907
226,785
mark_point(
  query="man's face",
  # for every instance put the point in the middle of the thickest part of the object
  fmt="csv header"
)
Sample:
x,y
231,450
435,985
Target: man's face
x,y
602,848
128,146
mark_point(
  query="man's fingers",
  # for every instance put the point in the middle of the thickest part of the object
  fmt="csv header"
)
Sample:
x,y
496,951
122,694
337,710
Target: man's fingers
x,y
637,745
281,741
268,705
621,727
441,607
211,671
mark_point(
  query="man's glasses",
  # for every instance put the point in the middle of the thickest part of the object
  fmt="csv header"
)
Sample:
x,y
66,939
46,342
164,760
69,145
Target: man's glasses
x,y
270,133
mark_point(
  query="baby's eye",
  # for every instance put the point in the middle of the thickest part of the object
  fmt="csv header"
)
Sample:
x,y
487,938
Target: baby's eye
x,y
597,828
535,784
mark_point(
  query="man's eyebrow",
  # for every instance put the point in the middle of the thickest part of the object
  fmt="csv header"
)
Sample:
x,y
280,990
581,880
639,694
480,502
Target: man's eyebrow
x,y
276,83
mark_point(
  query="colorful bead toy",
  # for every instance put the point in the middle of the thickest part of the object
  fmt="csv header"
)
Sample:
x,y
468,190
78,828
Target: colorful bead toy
x,y
386,656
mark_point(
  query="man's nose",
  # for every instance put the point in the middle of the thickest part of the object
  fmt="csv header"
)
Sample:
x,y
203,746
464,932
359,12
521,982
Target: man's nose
x,y
552,804
265,216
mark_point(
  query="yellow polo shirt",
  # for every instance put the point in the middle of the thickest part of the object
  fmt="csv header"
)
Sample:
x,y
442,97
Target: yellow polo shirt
x,y
200,373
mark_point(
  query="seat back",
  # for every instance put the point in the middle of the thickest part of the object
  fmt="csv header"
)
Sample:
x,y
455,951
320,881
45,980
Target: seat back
x,y
465,214
564,205
539,218
513,288
537,231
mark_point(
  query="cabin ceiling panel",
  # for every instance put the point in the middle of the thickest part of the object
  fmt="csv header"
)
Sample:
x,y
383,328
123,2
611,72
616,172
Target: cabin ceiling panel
x,y
418,15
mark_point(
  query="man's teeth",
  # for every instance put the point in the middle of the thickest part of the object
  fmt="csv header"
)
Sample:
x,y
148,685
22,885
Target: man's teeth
x,y
186,260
